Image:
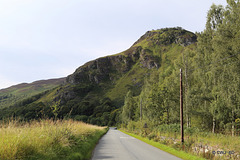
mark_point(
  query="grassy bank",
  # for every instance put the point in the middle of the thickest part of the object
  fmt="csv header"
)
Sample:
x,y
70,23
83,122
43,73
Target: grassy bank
x,y
197,142
48,140
180,154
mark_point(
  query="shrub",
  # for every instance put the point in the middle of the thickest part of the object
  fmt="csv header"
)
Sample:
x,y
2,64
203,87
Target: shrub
x,y
191,131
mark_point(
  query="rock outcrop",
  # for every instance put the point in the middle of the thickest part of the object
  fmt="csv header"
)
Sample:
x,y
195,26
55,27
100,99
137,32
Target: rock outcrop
x,y
107,68
102,69
168,36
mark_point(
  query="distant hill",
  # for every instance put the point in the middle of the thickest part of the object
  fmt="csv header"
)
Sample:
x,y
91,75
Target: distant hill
x,y
16,93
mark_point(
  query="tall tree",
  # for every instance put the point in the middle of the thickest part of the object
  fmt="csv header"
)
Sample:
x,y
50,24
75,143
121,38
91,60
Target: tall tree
x,y
226,46
128,108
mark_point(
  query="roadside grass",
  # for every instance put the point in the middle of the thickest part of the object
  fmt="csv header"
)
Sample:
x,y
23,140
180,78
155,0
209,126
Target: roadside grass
x,y
197,142
180,154
48,140
225,142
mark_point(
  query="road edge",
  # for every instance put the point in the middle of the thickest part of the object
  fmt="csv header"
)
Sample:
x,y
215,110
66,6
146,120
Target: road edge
x,y
180,154
92,152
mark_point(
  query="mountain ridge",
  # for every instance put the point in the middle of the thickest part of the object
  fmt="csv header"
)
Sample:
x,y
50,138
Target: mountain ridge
x,y
37,82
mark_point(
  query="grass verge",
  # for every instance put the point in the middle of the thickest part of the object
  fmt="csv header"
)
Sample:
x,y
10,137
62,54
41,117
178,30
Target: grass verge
x,y
180,154
48,140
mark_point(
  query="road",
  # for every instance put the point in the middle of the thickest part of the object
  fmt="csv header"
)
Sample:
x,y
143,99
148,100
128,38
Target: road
x,y
120,146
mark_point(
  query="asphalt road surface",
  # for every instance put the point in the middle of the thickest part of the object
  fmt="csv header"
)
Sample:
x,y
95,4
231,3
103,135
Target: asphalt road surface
x,y
120,146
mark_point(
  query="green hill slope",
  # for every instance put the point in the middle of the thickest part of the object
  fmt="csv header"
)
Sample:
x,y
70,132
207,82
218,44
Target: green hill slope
x,y
16,93
95,91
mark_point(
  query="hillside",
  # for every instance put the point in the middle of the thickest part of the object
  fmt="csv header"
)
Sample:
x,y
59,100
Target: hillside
x,y
95,91
16,93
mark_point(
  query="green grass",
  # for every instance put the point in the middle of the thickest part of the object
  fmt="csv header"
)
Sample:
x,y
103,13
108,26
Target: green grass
x,y
225,142
194,141
23,91
134,76
48,97
180,154
48,140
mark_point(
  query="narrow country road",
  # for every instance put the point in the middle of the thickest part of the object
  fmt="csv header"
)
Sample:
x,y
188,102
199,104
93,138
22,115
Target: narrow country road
x,y
119,146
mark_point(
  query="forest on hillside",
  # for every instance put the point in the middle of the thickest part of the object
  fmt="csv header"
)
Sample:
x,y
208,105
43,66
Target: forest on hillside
x,y
211,80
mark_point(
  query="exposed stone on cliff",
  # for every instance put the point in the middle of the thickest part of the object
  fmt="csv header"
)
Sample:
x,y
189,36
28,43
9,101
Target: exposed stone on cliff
x,y
101,69
107,68
168,36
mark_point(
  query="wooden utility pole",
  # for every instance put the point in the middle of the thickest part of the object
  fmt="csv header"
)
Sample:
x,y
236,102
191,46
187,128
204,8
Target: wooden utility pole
x,y
181,108
141,108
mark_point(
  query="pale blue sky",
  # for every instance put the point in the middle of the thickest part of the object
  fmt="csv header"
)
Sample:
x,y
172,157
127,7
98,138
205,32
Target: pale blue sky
x,y
43,39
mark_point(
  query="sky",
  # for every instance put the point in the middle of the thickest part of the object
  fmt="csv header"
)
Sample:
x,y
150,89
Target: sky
x,y
44,39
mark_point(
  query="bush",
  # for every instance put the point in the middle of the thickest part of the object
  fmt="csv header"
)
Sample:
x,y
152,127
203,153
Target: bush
x,y
151,136
188,144
169,128
83,118
131,126
191,131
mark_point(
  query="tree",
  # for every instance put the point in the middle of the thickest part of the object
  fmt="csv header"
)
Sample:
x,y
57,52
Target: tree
x,y
56,108
128,108
226,44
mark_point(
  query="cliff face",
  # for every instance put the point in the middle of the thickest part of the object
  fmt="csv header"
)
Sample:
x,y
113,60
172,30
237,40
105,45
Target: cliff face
x,y
106,68
99,70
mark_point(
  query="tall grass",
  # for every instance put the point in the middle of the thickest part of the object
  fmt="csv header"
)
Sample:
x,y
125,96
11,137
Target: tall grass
x,y
48,139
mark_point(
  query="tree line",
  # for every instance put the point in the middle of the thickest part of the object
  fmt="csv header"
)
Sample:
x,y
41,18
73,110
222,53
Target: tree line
x,y
211,76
